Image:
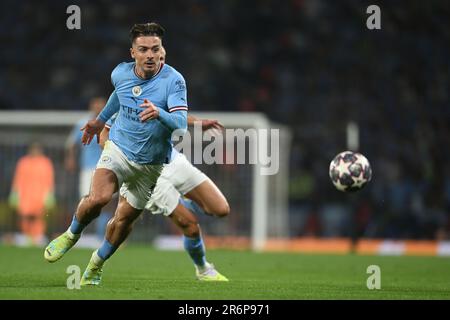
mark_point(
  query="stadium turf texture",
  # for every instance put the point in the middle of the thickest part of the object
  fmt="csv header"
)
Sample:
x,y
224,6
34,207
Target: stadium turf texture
x,y
140,272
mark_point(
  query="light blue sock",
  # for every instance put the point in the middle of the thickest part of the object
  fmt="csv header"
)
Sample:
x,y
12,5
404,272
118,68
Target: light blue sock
x,y
196,249
192,206
75,226
106,250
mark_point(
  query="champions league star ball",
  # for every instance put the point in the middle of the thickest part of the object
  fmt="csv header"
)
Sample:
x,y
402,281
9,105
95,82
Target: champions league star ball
x,y
350,171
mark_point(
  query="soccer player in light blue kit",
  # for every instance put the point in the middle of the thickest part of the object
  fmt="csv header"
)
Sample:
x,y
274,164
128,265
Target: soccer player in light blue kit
x,y
180,177
151,99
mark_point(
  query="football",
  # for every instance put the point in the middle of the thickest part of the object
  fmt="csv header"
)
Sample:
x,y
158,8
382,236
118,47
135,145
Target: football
x,y
350,171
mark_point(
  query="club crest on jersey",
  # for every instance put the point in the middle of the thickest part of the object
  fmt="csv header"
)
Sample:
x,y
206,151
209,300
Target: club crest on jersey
x,y
137,90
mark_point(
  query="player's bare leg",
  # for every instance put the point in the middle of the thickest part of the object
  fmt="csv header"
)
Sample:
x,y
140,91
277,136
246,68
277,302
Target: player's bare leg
x,y
193,243
120,226
186,221
104,184
210,198
117,230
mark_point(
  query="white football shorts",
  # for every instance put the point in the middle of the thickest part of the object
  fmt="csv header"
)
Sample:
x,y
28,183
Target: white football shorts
x,y
137,181
177,177
85,181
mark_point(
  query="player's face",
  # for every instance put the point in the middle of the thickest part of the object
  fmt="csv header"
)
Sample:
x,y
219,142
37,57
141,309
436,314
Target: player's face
x,y
146,51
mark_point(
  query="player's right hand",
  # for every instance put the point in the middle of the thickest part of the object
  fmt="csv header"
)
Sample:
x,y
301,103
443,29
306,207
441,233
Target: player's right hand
x,y
91,128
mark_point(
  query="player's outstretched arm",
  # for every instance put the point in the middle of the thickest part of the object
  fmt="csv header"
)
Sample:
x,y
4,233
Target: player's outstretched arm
x,y
215,127
206,123
112,107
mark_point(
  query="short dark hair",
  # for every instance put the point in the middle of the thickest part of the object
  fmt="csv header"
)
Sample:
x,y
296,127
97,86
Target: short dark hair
x,y
146,29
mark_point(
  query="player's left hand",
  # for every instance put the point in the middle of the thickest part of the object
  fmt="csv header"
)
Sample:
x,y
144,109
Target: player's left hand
x,y
211,124
214,127
151,111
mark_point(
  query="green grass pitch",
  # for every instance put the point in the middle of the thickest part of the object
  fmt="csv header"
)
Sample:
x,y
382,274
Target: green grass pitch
x,y
138,272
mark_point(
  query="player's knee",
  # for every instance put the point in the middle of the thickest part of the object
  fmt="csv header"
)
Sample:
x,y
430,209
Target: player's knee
x,y
100,200
123,222
222,210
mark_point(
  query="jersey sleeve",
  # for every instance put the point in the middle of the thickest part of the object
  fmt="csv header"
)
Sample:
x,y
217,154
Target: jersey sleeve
x,y
115,74
177,98
112,106
111,121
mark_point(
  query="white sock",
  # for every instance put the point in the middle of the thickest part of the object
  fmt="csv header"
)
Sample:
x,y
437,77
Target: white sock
x,y
96,259
202,269
73,236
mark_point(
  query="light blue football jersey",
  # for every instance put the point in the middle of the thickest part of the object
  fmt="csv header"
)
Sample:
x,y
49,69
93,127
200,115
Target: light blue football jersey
x,y
111,121
145,142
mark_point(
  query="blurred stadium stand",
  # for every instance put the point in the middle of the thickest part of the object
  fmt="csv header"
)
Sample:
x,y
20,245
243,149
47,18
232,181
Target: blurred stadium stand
x,y
311,65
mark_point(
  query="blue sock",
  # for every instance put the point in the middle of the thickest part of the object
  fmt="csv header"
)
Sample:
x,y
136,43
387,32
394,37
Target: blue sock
x,y
106,250
192,205
75,226
196,249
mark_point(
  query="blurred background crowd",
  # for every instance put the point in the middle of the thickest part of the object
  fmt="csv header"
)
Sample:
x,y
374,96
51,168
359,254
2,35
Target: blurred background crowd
x,y
309,64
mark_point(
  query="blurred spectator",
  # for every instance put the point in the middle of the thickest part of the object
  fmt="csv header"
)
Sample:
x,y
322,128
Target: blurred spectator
x,y
32,193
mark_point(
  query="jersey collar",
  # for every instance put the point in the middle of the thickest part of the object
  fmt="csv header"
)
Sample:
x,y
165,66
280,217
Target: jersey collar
x,y
156,74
